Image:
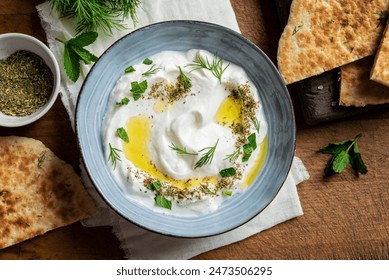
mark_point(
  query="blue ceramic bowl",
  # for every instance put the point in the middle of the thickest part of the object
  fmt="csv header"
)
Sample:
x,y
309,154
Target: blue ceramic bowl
x,y
182,36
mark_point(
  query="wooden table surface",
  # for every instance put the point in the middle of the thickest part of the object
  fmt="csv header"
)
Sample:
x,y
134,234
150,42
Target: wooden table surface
x,y
345,217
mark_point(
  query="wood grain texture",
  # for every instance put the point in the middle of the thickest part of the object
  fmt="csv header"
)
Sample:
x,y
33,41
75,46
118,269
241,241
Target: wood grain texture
x,y
345,217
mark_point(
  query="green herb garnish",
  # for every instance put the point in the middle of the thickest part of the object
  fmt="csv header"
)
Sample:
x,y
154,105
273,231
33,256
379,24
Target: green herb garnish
x,y
154,185
207,156
122,102
92,15
208,191
182,151
228,172
163,202
138,88
151,71
250,147
129,69
216,66
234,155
296,29
227,192
74,52
343,153
256,124
113,155
147,61
41,159
122,133
184,79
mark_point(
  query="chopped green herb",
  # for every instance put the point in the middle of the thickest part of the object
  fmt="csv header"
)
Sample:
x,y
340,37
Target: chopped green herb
x,y
129,69
122,133
343,153
113,155
296,29
138,88
163,202
216,66
147,61
247,151
228,172
151,71
252,140
181,151
207,156
184,79
154,185
383,17
227,192
122,102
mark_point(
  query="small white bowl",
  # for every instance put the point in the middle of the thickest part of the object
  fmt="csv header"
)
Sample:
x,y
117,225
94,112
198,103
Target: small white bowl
x,y
12,42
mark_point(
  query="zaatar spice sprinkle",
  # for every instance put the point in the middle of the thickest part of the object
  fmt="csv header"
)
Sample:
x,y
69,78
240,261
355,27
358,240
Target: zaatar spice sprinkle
x,y
26,83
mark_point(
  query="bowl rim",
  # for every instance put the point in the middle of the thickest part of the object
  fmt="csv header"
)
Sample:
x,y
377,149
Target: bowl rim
x,y
212,25
25,120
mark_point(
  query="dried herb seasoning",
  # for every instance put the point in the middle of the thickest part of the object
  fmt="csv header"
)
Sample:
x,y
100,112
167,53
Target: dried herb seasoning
x,y
26,83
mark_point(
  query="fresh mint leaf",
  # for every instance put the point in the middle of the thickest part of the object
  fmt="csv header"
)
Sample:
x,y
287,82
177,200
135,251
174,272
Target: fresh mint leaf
x,y
85,55
344,153
147,61
154,185
129,69
247,151
74,52
122,133
163,202
138,88
252,140
227,172
122,102
71,63
84,39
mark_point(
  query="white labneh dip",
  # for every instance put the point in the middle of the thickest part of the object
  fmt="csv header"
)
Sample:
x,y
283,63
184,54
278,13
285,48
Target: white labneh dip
x,y
184,131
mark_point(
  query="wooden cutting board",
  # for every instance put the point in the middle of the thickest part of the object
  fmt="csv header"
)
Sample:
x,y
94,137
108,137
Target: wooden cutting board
x,y
319,95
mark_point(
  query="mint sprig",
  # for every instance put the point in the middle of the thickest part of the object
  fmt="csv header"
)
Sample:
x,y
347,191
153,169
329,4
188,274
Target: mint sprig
x,y
344,153
74,52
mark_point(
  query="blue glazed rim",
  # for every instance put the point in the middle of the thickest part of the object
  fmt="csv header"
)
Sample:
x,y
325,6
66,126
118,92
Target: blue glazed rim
x,y
224,219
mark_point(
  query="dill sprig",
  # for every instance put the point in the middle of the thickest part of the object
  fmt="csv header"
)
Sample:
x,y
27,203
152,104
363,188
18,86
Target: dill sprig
x,y
151,71
94,14
181,151
184,79
216,66
113,155
256,124
233,156
207,156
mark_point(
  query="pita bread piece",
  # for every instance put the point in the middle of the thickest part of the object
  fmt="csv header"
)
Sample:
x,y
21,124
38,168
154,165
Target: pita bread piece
x,y
380,70
356,88
323,35
38,191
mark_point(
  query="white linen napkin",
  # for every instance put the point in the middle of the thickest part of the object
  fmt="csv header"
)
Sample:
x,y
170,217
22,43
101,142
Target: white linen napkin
x,y
137,242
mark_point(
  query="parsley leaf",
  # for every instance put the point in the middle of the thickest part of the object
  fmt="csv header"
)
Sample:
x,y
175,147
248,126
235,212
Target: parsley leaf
x,y
74,52
147,61
129,69
138,88
163,202
344,153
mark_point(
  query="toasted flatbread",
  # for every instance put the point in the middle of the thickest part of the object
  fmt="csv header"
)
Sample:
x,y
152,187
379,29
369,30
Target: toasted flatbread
x,y
380,70
323,35
38,191
356,88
